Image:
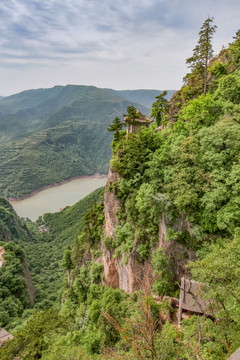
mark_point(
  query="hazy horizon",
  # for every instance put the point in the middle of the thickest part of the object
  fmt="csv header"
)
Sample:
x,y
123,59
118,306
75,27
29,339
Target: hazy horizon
x,y
44,88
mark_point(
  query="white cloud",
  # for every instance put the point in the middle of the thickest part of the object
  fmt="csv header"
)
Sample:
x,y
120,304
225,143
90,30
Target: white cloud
x,y
130,44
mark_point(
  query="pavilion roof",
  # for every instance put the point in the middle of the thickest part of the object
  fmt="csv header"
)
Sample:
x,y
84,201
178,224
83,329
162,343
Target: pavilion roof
x,y
141,119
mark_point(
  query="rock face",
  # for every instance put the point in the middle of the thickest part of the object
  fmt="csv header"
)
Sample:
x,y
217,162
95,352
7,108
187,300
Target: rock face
x,y
130,274
2,252
118,273
111,204
111,207
110,271
178,254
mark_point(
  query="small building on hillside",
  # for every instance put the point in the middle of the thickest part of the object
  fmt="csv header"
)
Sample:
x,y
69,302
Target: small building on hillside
x,y
191,301
2,251
4,336
133,125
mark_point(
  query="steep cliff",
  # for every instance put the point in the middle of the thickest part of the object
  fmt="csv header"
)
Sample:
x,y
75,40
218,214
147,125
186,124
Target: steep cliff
x,y
125,275
117,273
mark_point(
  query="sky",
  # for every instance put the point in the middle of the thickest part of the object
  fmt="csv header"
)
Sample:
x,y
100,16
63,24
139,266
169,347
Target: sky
x,y
119,44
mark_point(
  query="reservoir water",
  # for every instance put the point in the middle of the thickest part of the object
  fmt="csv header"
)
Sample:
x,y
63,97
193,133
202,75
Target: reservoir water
x,y
55,198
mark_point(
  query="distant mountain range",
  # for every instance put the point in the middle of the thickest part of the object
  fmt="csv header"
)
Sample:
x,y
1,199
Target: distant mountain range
x,y
143,97
48,135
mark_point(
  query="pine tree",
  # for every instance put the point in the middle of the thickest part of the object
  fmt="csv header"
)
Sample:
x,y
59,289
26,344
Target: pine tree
x,y
132,113
67,262
115,127
235,50
159,107
203,51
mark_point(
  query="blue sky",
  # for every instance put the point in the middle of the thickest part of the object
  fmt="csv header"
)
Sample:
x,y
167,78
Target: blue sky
x,y
120,44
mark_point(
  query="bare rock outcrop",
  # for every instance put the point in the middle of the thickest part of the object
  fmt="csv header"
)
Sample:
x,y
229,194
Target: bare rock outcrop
x,y
111,275
131,273
111,204
178,254
119,274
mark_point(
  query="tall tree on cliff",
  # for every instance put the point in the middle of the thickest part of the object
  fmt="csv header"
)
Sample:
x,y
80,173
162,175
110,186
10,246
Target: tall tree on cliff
x,y
115,127
67,262
235,50
159,107
203,51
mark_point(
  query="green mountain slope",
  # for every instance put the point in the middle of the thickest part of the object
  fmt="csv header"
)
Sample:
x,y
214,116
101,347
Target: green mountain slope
x,y
46,251
24,112
16,288
30,110
42,252
49,135
11,226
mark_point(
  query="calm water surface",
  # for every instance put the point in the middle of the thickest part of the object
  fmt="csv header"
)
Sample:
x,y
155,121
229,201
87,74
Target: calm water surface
x,y
55,198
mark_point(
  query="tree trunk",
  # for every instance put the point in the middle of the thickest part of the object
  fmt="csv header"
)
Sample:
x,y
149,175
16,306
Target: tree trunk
x,y
205,76
68,275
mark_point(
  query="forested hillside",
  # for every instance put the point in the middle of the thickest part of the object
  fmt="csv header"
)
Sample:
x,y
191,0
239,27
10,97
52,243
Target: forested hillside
x,y
170,209
26,248
16,289
11,227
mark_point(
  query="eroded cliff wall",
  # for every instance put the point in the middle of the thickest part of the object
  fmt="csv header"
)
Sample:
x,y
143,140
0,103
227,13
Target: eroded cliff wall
x,y
125,275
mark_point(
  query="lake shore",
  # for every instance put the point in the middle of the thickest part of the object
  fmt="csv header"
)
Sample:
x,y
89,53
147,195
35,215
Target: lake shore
x,y
23,197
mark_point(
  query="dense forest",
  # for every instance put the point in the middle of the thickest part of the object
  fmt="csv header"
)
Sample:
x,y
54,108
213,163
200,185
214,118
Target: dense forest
x,y
170,209
26,248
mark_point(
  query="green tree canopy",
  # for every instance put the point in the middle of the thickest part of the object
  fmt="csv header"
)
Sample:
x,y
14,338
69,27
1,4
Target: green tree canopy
x,y
235,50
33,338
115,127
132,113
159,107
67,261
203,51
